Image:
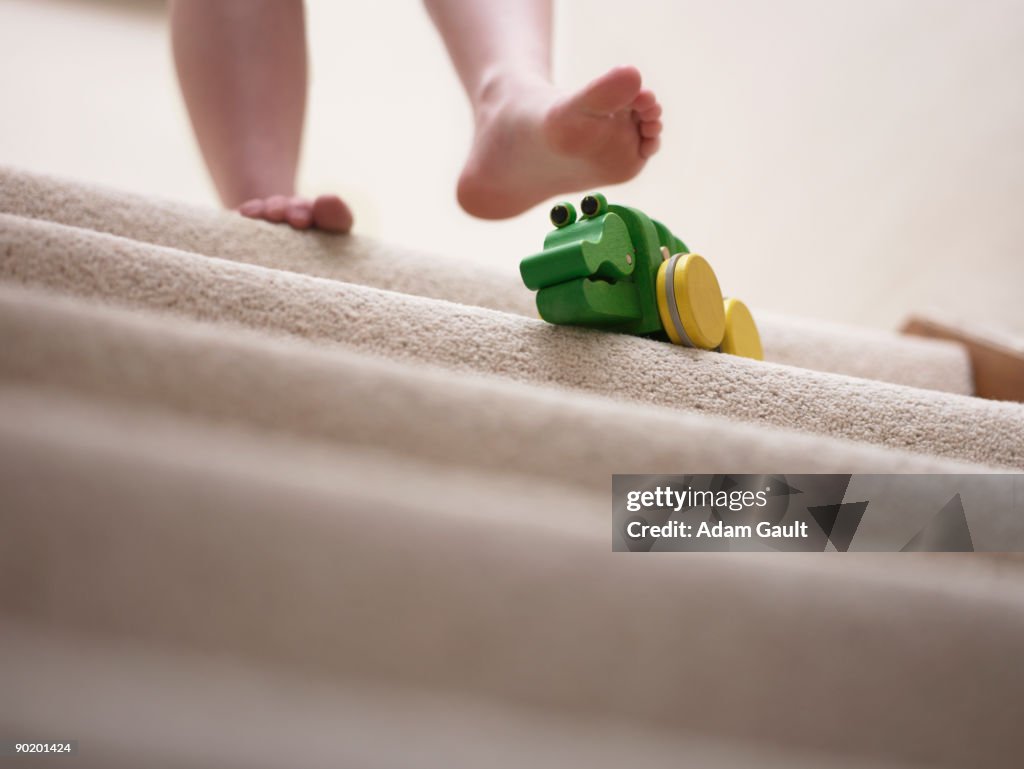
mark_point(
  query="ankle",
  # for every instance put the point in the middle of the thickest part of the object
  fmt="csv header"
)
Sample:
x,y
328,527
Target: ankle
x,y
499,84
252,174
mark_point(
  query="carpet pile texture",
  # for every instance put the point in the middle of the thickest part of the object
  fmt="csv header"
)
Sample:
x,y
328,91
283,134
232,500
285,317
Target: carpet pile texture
x,y
356,501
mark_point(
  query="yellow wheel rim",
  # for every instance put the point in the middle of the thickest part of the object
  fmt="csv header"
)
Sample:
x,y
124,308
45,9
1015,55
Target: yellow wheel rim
x,y
663,312
741,334
690,302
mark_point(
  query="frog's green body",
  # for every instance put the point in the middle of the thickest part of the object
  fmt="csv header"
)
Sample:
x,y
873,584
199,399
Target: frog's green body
x,y
618,269
601,271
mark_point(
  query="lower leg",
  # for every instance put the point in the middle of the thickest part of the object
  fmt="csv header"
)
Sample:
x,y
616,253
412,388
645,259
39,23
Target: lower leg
x,y
242,69
490,41
532,140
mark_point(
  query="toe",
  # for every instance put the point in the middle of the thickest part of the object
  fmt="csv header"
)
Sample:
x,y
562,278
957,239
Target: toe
x,y
649,146
650,129
331,214
254,208
614,90
648,114
644,100
300,213
276,208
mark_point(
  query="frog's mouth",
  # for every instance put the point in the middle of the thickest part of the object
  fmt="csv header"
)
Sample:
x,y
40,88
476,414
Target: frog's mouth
x,y
585,275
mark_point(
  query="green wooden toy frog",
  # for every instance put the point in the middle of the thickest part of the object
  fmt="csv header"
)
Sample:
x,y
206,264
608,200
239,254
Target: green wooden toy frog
x,y
618,269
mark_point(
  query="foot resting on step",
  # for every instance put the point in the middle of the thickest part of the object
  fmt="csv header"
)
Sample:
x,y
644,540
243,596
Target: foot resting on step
x,y
327,212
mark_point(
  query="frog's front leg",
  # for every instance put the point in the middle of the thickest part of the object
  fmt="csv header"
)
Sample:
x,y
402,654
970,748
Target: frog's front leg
x,y
589,302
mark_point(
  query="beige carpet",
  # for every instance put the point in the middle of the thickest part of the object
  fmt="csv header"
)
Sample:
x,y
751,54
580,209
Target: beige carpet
x,y
336,494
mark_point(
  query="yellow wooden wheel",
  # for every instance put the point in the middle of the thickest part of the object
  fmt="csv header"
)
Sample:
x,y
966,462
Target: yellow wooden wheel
x,y
690,302
741,335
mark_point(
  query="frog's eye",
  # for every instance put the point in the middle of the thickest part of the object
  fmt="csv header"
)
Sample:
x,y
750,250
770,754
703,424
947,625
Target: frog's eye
x,y
594,205
563,215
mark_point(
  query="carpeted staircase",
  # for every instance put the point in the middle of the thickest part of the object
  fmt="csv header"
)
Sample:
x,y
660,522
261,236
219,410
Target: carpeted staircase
x,y
319,487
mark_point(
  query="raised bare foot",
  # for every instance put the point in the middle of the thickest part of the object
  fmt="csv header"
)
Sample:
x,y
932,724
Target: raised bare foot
x,y
533,141
327,212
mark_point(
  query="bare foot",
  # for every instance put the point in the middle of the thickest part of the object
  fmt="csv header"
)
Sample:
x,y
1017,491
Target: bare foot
x,y
328,212
533,141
